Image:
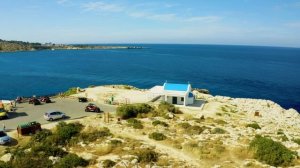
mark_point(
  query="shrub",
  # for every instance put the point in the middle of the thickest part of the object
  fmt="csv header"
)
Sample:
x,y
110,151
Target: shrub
x,y
194,130
146,156
284,137
41,136
157,122
108,163
30,160
71,161
184,125
132,110
48,150
221,122
70,91
297,141
280,132
64,132
218,131
94,135
4,165
253,125
157,136
167,107
136,124
271,152
115,142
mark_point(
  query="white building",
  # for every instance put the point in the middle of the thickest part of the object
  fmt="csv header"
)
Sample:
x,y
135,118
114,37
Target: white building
x,y
180,94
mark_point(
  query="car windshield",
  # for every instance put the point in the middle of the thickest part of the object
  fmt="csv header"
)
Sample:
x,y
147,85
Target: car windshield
x,y
2,134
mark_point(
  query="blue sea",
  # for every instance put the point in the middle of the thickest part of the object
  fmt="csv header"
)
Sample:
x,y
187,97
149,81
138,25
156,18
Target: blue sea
x,y
236,71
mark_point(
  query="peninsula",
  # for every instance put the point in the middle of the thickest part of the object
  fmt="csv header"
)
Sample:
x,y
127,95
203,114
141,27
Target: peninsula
x,y
11,46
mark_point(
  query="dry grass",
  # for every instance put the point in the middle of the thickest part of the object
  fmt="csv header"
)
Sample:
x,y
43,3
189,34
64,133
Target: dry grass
x,y
205,149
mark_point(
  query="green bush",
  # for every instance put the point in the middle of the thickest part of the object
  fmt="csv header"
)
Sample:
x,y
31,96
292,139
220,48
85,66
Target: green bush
x,y
115,142
271,152
218,131
94,135
280,132
30,160
48,150
64,132
194,130
253,125
184,125
108,163
71,161
157,122
41,136
157,136
132,110
297,141
70,91
4,165
136,124
167,107
221,122
147,156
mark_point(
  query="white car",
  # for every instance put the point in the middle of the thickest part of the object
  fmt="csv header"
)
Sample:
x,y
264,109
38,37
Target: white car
x,y
4,139
54,115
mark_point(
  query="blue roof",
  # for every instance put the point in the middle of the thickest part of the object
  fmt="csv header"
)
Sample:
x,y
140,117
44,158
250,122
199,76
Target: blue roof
x,y
176,87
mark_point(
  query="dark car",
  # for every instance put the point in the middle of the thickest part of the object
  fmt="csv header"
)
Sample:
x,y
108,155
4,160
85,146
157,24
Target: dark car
x,y
45,99
34,101
82,99
19,100
92,108
29,128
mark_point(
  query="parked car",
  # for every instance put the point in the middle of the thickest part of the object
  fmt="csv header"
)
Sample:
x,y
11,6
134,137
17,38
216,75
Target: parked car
x,y
54,115
82,99
92,108
34,101
4,138
29,128
19,99
45,99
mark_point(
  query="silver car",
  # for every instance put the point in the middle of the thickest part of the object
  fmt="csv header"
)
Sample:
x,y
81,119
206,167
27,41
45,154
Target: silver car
x,y
4,139
54,115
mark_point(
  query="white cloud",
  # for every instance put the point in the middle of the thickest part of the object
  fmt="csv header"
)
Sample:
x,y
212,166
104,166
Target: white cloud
x,y
293,25
62,1
152,16
102,6
202,19
146,13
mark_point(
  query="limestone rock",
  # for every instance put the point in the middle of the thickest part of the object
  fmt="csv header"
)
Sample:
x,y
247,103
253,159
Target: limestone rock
x,y
6,157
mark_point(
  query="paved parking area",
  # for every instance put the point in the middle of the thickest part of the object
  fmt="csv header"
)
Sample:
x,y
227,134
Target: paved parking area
x,y
71,107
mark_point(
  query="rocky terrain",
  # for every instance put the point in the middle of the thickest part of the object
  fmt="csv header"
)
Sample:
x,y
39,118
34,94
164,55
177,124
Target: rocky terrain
x,y
216,135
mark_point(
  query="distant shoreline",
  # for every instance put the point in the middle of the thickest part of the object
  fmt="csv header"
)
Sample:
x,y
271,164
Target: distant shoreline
x,y
15,46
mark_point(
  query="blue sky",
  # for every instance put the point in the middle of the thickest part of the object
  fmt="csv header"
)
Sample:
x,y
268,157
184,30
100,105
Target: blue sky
x,y
242,22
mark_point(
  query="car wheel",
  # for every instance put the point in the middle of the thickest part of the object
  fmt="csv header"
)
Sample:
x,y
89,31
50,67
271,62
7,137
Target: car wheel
x,y
50,119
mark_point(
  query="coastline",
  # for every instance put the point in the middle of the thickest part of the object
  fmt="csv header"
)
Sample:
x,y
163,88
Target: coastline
x,y
79,48
232,116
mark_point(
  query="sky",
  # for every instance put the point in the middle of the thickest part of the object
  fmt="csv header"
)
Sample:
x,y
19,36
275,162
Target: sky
x,y
232,22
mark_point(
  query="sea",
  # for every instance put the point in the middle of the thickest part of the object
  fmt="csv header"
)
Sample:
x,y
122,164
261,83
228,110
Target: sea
x,y
237,71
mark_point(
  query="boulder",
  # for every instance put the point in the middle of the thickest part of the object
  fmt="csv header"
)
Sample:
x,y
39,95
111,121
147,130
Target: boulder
x,y
6,157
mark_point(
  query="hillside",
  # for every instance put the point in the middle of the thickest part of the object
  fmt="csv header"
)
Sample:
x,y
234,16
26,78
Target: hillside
x,y
6,46
226,132
10,46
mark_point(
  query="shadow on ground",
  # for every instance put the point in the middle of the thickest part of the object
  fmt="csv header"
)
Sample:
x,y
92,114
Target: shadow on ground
x,y
16,114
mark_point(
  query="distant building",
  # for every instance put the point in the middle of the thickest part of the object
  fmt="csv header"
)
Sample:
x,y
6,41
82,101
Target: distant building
x,y
180,94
